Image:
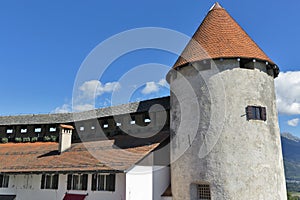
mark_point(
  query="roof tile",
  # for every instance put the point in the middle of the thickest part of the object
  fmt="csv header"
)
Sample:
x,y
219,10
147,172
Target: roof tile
x,y
89,156
220,36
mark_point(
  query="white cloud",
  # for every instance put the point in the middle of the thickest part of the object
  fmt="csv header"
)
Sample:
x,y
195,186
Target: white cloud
x,y
89,91
94,88
152,87
65,108
163,83
288,92
293,122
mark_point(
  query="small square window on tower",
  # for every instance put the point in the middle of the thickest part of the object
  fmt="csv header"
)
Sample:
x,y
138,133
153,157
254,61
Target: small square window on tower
x,y
203,191
256,113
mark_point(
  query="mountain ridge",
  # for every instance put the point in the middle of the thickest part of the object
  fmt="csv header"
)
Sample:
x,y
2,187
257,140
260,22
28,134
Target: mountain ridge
x,y
291,158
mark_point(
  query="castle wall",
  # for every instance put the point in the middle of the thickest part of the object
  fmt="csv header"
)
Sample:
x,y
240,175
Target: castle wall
x,y
213,143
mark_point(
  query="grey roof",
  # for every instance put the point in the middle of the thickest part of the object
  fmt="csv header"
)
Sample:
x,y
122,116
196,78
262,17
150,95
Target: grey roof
x,y
136,107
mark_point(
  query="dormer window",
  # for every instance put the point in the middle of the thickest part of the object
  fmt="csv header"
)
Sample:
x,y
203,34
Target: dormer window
x,y
52,129
38,130
23,130
105,125
132,120
9,131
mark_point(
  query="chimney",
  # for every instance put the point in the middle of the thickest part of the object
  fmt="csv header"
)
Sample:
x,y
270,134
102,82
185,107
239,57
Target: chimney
x,y
65,137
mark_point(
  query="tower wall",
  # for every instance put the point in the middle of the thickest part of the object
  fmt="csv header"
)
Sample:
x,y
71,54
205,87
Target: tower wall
x,y
213,142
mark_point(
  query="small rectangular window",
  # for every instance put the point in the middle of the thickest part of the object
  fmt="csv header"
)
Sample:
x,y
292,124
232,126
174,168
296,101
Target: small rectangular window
x,y
49,181
92,127
118,124
203,191
256,113
103,182
81,128
9,131
132,120
77,182
4,180
24,130
52,129
38,130
147,120
105,125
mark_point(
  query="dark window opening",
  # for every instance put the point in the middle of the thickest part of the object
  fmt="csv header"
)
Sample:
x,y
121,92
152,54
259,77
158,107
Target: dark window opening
x,y
77,182
147,119
132,120
103,182
49,181
205,65
246,64
105,124
256,113
4,180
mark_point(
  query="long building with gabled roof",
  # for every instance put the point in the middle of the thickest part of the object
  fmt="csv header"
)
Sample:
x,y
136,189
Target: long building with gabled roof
x,y
216,136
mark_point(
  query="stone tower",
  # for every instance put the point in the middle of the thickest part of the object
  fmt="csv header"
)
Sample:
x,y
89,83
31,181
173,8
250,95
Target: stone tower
x,y
225,140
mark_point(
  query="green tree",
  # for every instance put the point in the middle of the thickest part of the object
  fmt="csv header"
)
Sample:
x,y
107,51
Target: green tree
x,y
290,197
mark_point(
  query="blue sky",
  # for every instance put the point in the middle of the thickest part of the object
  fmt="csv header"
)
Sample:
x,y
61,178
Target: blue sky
x,y
43,44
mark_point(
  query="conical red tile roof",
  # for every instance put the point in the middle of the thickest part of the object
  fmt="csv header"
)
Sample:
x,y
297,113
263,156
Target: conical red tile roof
x,y
220,36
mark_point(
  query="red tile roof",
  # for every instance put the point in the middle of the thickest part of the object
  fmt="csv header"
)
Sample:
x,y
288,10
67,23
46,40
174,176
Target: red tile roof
x,y
220,36
118,154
